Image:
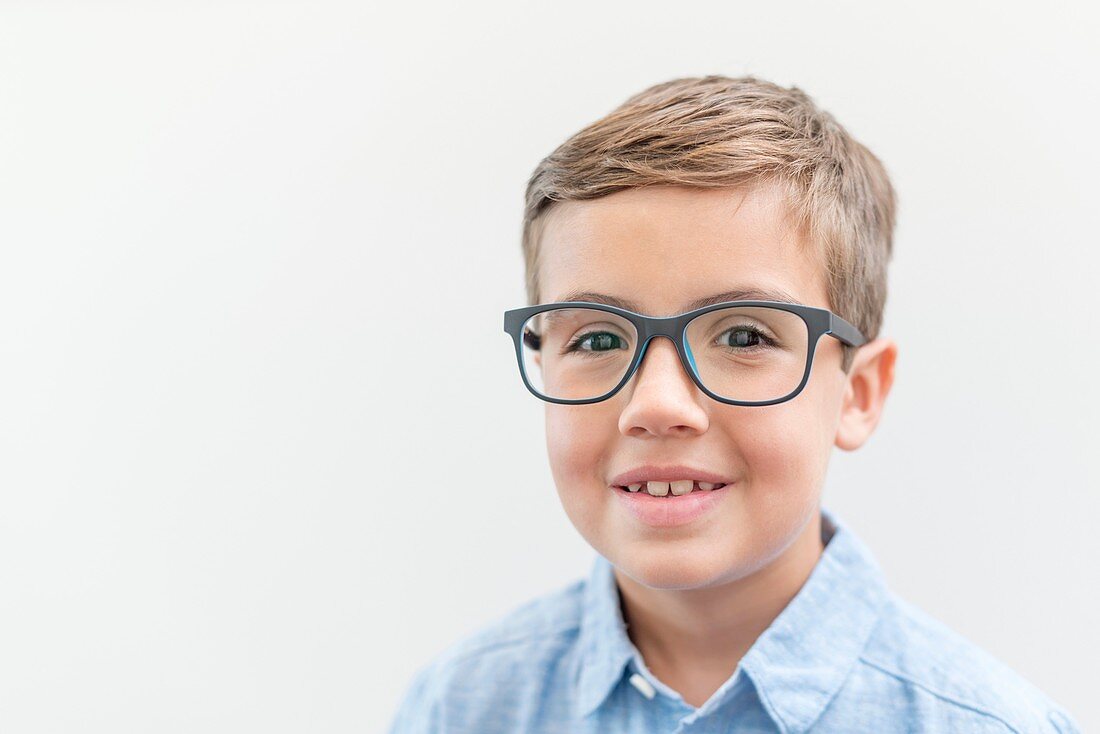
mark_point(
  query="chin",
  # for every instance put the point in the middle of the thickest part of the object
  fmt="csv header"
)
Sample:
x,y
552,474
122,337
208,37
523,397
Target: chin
x,y
671,570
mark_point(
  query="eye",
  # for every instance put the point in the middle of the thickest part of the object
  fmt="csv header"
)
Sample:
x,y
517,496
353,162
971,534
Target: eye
x,y
600,341
746,337
532,340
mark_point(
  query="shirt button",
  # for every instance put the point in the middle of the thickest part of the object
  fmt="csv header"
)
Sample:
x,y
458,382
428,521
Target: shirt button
x,y
643,685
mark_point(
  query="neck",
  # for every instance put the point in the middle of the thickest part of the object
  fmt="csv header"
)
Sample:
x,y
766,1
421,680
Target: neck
x,y
693,639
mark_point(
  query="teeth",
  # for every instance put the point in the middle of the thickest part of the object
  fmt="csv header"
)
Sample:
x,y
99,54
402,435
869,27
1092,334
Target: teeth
x,y
682,486
657,489
678,487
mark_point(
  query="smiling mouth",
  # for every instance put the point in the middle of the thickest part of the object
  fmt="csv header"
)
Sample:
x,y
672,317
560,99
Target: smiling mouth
x,y
664,490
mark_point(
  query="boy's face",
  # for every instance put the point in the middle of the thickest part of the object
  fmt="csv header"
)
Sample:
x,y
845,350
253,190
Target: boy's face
x,y
663,247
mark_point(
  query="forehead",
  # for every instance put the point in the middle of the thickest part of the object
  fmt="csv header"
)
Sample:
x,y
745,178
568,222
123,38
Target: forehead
x,y
665,247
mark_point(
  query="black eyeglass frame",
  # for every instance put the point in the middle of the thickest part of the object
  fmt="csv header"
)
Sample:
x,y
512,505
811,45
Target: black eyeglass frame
x,y
819,322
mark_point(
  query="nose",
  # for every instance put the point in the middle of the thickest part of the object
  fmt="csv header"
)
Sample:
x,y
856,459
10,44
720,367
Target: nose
x,y
662,399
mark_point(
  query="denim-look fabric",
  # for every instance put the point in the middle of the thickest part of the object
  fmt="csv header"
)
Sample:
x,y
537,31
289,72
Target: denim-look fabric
x,y
845,655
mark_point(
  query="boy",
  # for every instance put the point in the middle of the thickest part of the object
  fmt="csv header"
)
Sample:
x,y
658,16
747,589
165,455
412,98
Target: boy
x,y
742,222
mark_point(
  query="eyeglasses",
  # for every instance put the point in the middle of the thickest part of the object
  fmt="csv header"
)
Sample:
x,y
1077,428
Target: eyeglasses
x,y
737,352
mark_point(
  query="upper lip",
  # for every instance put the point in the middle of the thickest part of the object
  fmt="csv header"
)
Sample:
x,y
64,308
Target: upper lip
x,y
654,473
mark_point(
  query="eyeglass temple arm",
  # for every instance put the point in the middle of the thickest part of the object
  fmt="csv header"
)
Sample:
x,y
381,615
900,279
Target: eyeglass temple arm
x,y
844,331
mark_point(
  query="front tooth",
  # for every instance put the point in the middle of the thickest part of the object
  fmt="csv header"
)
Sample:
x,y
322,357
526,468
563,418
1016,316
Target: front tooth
x,y
634,487
682,486
707,485
657,489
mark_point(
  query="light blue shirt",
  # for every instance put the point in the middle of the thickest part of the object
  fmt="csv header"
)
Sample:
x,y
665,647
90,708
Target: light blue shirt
x,y
845,655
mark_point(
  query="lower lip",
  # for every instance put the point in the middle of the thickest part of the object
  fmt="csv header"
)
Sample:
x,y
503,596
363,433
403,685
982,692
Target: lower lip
x,y
670,511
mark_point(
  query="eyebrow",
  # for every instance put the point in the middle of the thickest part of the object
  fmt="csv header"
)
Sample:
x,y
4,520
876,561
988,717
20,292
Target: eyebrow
x,y
737,294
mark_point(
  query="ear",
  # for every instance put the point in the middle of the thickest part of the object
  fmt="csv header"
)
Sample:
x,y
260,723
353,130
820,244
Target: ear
x,y
868,383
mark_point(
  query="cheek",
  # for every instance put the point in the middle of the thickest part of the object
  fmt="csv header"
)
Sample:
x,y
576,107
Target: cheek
x,y
574,442
772,445
783,449
790,444
578,445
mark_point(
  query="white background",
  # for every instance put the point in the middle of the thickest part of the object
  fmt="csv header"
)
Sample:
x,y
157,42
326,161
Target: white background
x,y
264,449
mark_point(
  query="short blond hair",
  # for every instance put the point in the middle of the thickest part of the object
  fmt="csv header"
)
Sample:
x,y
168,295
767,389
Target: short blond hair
x,y
717,131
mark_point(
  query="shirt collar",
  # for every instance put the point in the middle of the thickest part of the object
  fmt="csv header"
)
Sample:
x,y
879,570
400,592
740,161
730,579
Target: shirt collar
x,y
604,646
797,664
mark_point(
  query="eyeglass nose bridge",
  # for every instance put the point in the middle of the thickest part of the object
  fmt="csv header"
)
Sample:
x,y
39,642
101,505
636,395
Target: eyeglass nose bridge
x,y
673,327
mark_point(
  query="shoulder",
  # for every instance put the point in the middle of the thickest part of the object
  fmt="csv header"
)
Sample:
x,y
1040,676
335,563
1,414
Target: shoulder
x,y
542,623
499,664
932,671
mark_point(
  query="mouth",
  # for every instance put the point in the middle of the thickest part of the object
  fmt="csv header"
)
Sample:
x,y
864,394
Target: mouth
x,y
658,507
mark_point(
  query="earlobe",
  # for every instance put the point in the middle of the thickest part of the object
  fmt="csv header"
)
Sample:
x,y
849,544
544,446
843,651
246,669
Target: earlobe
x,y
868,384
